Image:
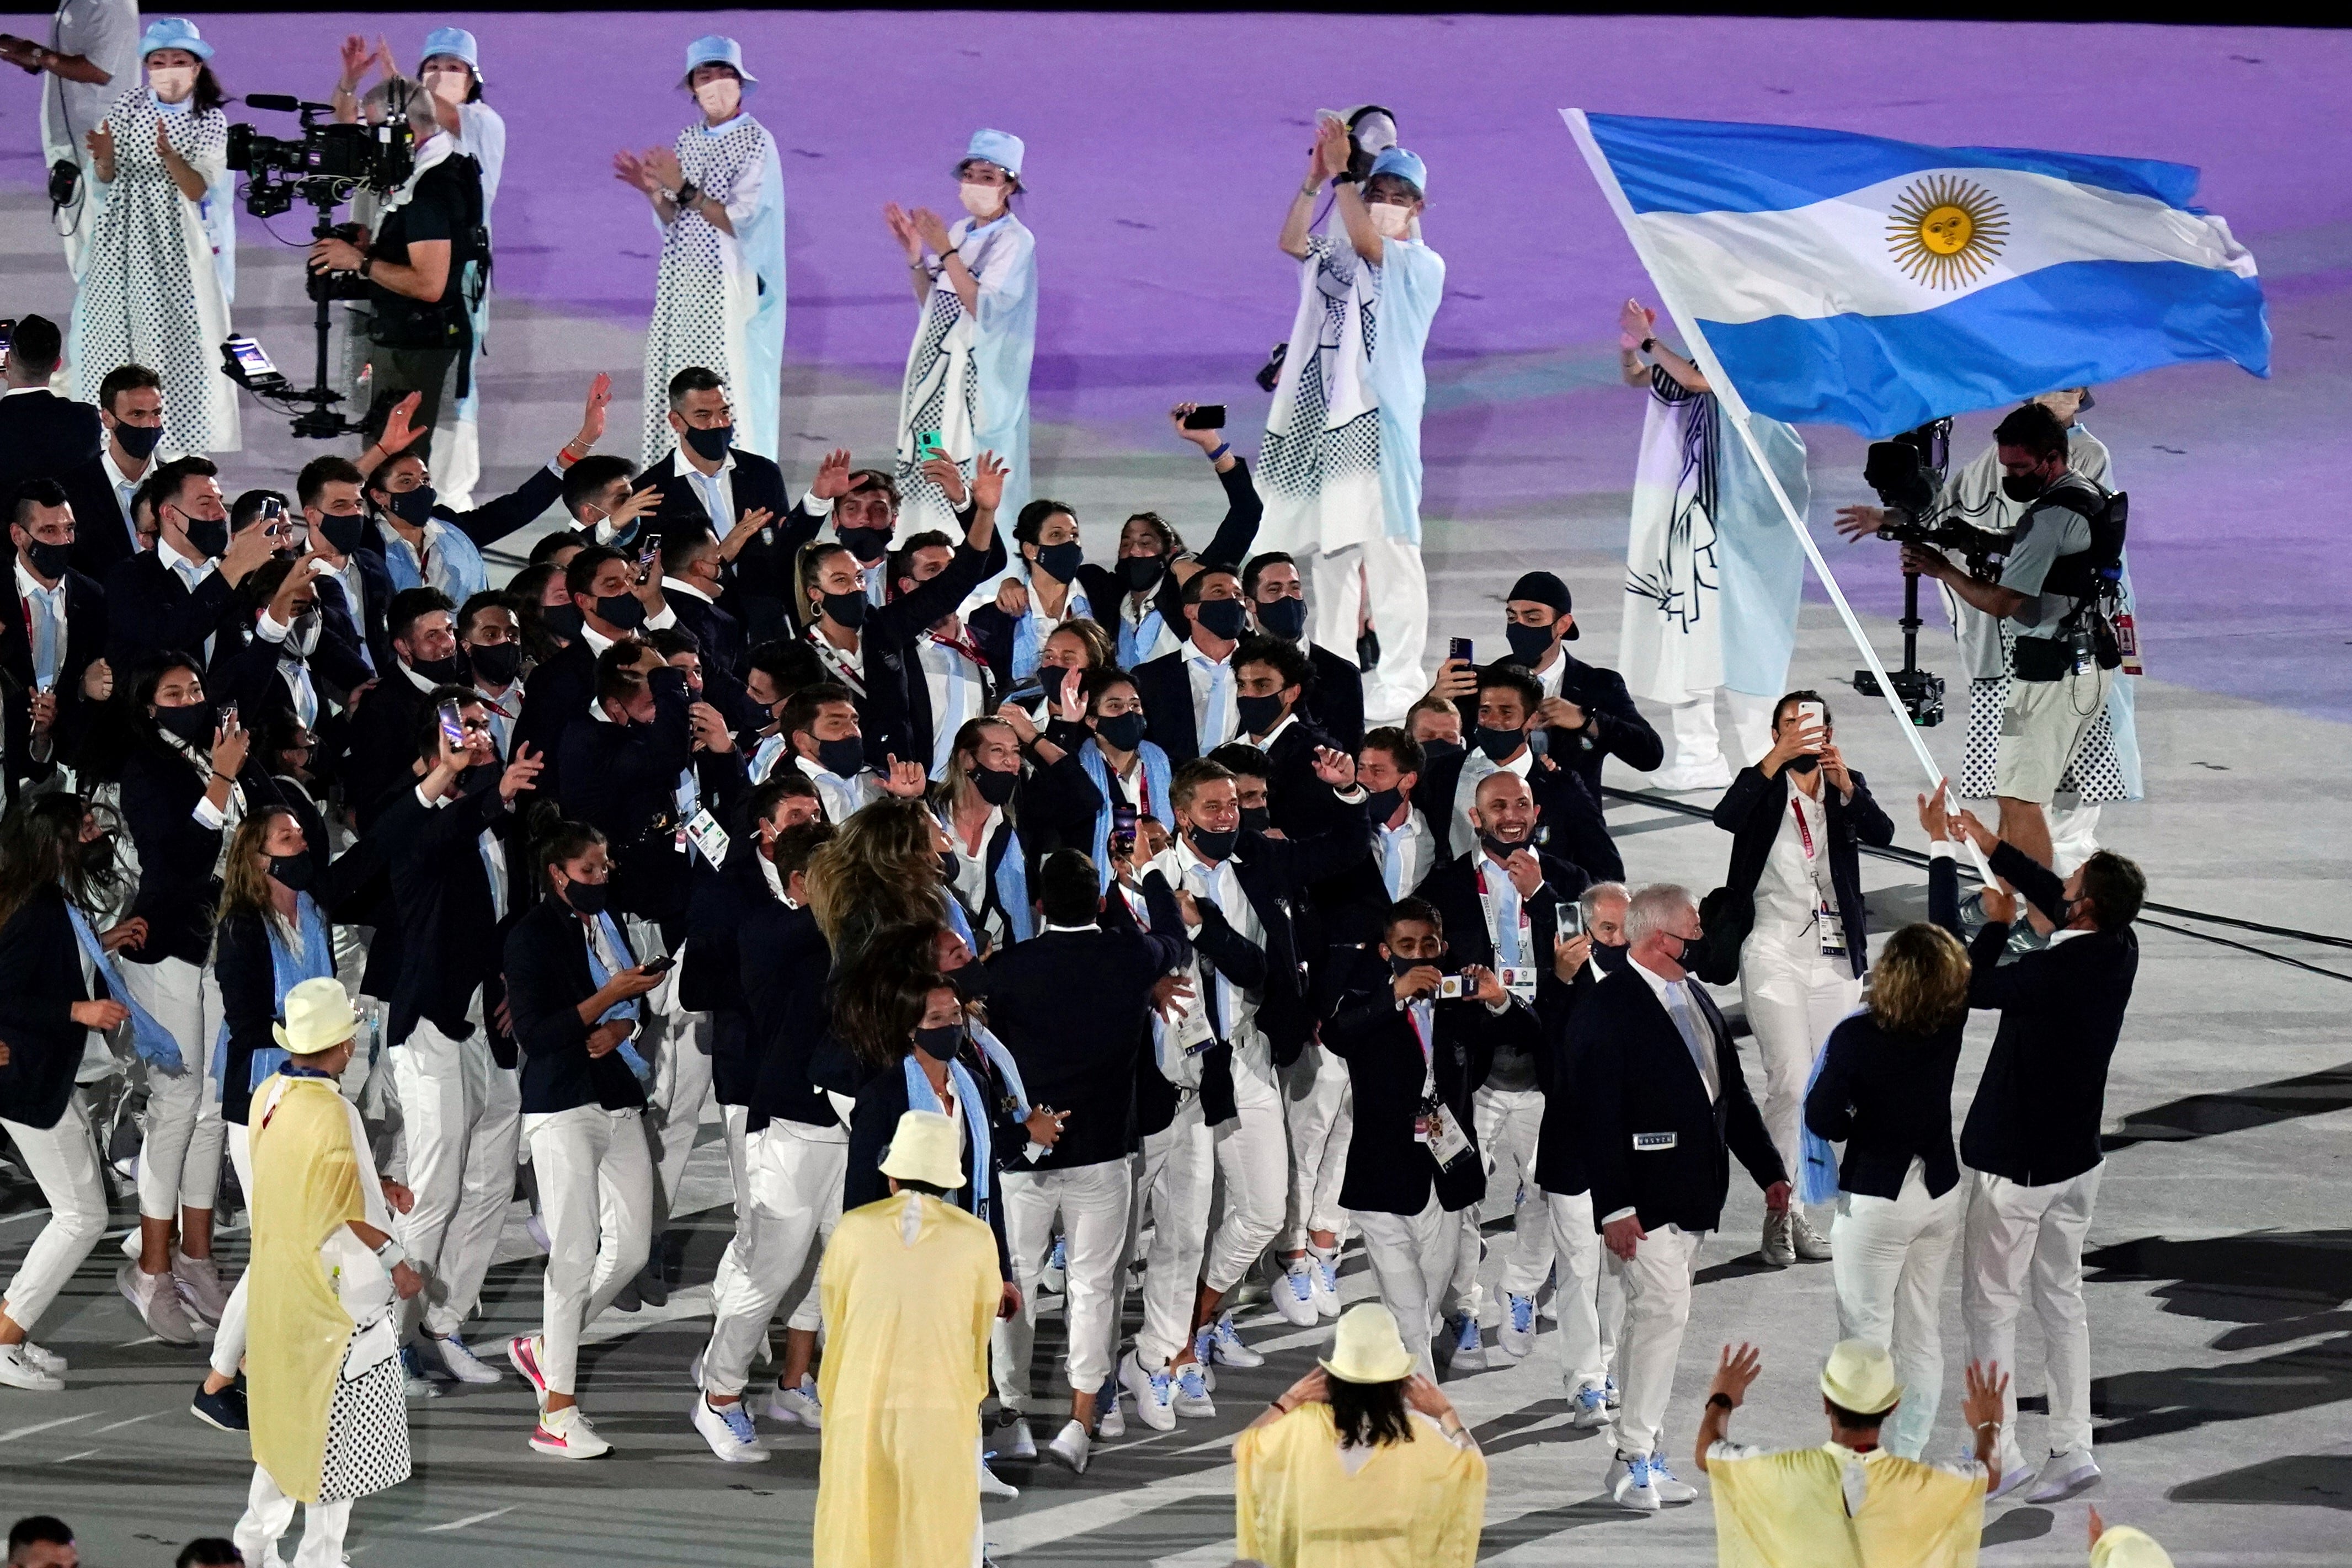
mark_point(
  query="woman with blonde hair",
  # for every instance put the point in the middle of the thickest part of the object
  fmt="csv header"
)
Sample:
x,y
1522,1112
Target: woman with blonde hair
x,y
1883,1088
880,868
1000,819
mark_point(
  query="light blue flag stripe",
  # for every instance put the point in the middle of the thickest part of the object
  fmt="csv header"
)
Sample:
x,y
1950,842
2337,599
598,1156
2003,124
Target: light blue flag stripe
x,y
2077,324
1702,166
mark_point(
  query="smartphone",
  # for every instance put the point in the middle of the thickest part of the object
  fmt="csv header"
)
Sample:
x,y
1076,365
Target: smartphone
x,y
1122,829
453,728
227,715
1459,648
8,336
1207,416
928,445
1810,715
657,965
1568,920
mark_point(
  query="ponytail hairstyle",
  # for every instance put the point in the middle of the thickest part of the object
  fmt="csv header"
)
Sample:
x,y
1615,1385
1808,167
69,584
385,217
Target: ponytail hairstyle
x,y
961,759
40,841
555,841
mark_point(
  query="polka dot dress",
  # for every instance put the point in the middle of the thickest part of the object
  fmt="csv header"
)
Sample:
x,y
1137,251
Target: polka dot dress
x,y
367,1433
148,293
690,326
2095,777
1294,462
926,392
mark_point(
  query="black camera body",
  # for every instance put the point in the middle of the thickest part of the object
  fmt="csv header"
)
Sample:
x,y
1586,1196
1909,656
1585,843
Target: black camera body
x,y
324,166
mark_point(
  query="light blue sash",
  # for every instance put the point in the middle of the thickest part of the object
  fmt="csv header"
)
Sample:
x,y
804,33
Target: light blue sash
x,y
920,1096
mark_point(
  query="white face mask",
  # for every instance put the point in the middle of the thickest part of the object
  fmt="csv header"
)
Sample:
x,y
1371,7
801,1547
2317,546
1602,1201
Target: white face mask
x,y
450,84
1392,221
981,201
172,83
719,97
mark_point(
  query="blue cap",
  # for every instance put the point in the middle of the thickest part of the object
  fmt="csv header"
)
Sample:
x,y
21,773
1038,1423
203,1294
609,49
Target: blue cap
x,y
1404,166
1001,148
454,41
174,32
715,50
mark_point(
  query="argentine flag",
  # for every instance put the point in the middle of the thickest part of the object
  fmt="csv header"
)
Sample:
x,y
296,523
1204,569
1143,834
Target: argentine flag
x,y
1881,284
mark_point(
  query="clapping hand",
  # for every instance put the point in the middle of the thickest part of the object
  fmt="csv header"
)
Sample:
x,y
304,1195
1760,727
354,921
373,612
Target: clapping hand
x,y
1331,152
902,229
934,233
1633,322
631,170
662,164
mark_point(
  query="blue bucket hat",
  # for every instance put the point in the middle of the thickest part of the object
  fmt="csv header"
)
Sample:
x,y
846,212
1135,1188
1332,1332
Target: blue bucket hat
x,y
454,41
715,50
1001,148
174,32
1404,166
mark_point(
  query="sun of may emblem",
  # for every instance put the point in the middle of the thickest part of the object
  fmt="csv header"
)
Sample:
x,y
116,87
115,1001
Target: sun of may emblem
x,y
1945,231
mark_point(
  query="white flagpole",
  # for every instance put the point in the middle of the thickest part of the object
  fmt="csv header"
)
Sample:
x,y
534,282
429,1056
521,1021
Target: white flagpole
x,y
1703,354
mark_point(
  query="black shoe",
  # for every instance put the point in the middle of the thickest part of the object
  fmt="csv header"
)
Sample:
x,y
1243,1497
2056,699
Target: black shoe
x,y
225,1410
627,1301
651,1288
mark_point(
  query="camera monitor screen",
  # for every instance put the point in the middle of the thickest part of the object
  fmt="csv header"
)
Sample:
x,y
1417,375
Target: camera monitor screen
x,y
250,359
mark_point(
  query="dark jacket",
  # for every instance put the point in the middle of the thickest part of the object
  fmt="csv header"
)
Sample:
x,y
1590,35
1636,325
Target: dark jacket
x,y
1389,1171
249,675
1567,813
40,980
1563,1136
386,735
150,610
102,539
1226,550
178,893
623,779
895,714
85,640
782,963
1654,1144
718,634
2035,1118
1335,703
710,976
43,437
547,978
1071,1006
1613,726
555,695
1166,688
1299,804
449,931
759,578
875,1120
1753,811
1453,891
1888,1099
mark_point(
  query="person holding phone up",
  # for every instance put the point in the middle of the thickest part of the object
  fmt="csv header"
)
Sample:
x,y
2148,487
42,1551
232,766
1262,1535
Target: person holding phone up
x,y
1794,852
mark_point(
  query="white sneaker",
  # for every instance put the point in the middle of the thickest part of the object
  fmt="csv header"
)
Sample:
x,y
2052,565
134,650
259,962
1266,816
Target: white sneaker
x,y
198,1281
1779,1247
2062,1475
1054,1280
523,1352
1588,1409
1219,1342
1072,1447
1014,1441
1294,1294
1323,1273
567,1435
1192,1400
991,1486
18,1369
1155,1394
1628,1480
460,1361
797,1404
46,1360
1810,1244
1517,1333
1469,1348
1670,1488
694,1370
2015,1473
728,1430
157,1301
1710,773
1108,1422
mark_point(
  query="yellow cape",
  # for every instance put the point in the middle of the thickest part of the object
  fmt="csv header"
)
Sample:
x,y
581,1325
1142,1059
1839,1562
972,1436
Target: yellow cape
x,y
1412,1505
306,1184
909,1287
1787,1509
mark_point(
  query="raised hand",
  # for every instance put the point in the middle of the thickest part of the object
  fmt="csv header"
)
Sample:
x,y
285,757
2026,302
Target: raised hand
x,y
906,780
356,53
1331,152
932,230
1737,1370
1933,817
902,229
630,169
988,477
522,772
1016,718
230,742
832,482
1569,954
1633,322
944,472
1207,440
400,431
592,417
1337,769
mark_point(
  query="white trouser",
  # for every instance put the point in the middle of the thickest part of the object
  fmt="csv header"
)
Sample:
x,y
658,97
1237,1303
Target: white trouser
x,y
732,1120
269,1513
1794,995
1697,742
1253,1159
1176,1173
681,1086
228,1340
1891,1254
1657,1306
1509,1121
793,1176
1412,1258
63,1160
179,1159
2013,1234
595,1195
1392,571
1591,1296
1092,1201
2074,833
462,1114
1320,1112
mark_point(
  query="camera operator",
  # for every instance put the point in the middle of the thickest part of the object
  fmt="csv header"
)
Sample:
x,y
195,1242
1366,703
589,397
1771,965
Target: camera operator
x,y
93,47
2061,685
427,243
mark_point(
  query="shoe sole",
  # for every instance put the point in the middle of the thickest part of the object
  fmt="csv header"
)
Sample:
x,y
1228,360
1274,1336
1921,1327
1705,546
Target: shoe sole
x,y
482,1375
52,1385
558,1451
2065,1490
1639,1505
199,1412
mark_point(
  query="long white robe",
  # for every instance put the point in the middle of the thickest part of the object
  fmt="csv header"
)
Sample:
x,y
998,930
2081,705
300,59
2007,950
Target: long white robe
x,y
968,374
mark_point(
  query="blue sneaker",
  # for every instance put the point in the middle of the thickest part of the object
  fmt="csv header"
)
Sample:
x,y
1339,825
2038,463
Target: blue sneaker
x,y
1608,1393
1629,1483
1192,1391
728,1430
225,1410
1517,1333
1294,1294
1225,1346
1325,1283
1669,1487
1469,1348
1587,1409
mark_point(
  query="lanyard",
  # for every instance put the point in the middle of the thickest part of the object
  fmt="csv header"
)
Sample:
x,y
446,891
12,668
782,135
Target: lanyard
x,y
1494,935
1804,833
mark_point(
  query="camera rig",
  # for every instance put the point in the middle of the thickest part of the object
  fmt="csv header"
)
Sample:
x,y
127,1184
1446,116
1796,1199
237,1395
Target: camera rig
x,y
325,166
1908,472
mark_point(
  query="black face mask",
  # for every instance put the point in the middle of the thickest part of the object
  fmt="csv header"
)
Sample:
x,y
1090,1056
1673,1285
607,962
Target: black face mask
x,y
994,787
1500,745
195,723
867,545
1256,715
1498,848
450,671
47,559
624,611
1284,618
342,534
841,758
1214,845
1222,618
710,445
1381,804
1120,731
2024,487
498,663
964,982
1434,752
564,620
1256,819
940,1044
293,870
1528,644
413,508
1400,966
208,536
1141,572
1611,959
847,609
1803,765
138,440
1061,561
585,898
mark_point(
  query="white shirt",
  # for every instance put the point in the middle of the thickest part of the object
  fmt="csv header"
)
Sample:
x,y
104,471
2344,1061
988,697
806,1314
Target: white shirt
x,y
840,797
44,607
1276,734
954,683
715,491
431,561
1406,852
598,642
355,587
502,712
191,575
1212,730
1498,898
1476,765
1788,894
972,869
1218,883
125,487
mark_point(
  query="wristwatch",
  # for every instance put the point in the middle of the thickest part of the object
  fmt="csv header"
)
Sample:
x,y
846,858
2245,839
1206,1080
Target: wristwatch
x,y
1649,345
367,266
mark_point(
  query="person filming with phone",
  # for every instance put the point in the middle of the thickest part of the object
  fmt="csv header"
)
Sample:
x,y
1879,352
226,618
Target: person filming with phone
x,y
1797,816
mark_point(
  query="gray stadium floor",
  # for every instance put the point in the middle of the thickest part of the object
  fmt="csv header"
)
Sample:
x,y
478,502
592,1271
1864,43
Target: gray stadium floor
x,y
2220,1296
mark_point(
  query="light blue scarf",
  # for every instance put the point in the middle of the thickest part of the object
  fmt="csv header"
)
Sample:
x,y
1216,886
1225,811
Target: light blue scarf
x,y
1013,888
1817,1172
623,1009
288,967
1002,1060
1030,632
1136,642
1156,774
461,564
920,1096
153,1042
